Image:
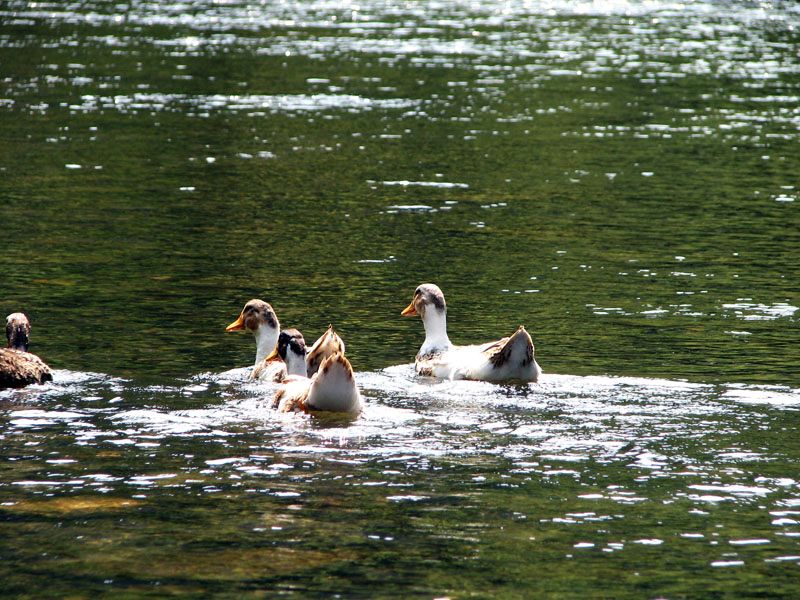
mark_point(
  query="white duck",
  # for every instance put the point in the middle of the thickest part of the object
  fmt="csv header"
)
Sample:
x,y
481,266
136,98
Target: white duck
x,y
507,359
287,358
259,318
18,367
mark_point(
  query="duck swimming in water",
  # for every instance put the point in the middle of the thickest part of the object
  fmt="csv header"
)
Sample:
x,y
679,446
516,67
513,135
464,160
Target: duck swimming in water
x,y
18,367
331,389
508,359
287,358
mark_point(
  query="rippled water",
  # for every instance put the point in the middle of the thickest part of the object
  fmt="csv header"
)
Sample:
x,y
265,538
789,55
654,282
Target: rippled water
x,y
438,488
620,177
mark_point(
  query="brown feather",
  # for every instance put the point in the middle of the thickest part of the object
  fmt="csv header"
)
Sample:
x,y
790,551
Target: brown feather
x,y
280,370
328,344
276,401
499,352
295,404
292,395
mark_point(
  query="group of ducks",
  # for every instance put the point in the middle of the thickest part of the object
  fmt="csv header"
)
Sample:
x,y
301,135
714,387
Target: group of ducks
x,y
316,379
320,378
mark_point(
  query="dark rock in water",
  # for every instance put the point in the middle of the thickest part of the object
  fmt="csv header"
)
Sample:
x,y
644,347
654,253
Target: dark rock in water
x,y
18,369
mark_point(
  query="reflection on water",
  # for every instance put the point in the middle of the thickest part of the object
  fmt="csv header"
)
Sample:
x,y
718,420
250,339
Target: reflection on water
x,y
587,468
251,104
618,176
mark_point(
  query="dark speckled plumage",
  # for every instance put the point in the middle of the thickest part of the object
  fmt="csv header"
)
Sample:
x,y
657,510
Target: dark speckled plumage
x,y
499,352
257,311
275,366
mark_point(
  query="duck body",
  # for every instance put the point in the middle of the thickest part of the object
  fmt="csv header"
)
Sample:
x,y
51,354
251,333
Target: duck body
x,y
18,367
510,359
507,359
331,389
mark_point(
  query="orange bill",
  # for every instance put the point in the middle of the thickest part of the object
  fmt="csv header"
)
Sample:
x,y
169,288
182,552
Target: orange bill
x,y
272,355
237,325
409,311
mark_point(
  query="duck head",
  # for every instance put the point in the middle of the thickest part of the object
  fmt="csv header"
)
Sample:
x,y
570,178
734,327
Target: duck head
x,y
427,298
291,348
428,302
259,318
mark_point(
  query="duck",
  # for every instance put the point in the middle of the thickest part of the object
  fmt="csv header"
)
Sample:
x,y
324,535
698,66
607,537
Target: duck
x,y
287,358
510,359
18,367
259,318
332,389
328,344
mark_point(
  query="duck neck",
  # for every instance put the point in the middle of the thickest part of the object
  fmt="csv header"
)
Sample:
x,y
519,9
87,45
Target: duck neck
x,y
295,364
436,339
266,338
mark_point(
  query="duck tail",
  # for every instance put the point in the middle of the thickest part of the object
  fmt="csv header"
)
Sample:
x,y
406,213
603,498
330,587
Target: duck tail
x,y
515,350
334,387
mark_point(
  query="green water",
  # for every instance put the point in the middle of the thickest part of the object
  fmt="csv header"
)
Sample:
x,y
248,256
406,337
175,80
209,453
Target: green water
x,y
621,178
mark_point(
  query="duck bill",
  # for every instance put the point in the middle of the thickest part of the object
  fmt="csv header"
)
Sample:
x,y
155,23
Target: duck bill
x,y
272,355
409,311
237,325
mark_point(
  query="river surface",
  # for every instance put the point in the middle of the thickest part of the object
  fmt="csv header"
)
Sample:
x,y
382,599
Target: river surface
x,y
621,177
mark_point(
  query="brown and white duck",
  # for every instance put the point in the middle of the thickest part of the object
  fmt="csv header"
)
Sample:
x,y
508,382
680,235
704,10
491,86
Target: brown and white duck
x,y
332,389
18,367
508,359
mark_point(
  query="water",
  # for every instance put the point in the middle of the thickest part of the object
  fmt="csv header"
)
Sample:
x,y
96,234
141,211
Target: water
x,y
619,177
